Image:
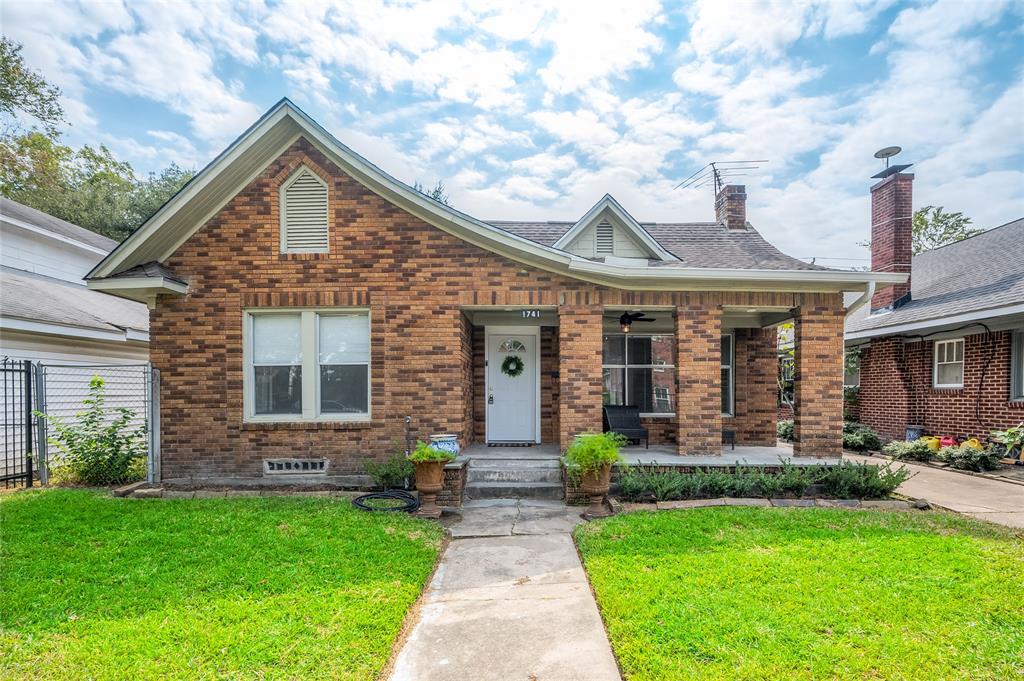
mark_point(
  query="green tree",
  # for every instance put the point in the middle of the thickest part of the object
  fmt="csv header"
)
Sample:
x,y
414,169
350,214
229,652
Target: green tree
x,y
438,193
24,91
933,227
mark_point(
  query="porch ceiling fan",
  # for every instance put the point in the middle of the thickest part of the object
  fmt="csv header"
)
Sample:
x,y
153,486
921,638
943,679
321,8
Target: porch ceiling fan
x,y
627,319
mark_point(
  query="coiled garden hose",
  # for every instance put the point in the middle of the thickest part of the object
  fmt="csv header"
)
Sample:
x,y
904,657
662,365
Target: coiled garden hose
x,y
408,504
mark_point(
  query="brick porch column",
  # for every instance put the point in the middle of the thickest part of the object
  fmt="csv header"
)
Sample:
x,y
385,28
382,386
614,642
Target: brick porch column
x,y
579,371
818,388
698,376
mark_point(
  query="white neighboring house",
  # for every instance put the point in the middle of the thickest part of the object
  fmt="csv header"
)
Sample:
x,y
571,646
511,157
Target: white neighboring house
x,y
46,312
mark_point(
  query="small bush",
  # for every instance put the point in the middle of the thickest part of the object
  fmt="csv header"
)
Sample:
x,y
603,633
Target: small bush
x,y
588,453
794,479
99,447
713,483
784,429
918,450
743,483
858,437
968,458
850,480
395,473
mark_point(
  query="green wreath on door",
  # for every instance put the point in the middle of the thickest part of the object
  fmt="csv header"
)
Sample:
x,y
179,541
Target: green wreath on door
x,y
512,366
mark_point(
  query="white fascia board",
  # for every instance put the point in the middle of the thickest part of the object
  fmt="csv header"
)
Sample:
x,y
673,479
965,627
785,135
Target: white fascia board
x,y
159,284
608,202
28,227
938,323
53,329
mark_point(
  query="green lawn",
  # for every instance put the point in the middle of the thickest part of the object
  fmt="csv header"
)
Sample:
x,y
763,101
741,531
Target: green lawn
x,y
276,587
752,593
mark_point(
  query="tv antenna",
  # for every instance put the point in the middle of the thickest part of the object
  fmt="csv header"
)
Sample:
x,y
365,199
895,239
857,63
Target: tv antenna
x,y
717,173
887,153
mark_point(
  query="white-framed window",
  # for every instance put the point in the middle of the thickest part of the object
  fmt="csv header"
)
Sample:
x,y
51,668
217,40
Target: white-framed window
x,y
307,365
948,364
304,213
639,370
1017,366
728,374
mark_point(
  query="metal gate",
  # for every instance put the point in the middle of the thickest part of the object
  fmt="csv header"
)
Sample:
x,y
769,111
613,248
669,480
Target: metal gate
x,y
17,380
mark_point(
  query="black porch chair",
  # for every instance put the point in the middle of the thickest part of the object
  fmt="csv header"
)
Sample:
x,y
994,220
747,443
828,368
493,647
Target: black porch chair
x,y
625,420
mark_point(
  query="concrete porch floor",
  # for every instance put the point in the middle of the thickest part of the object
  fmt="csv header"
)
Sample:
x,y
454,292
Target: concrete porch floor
x,y
661,454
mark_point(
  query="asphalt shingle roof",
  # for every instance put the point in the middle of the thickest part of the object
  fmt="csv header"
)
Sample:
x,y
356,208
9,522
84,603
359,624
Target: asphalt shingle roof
x,y
47,222
39,298
696,244
982,272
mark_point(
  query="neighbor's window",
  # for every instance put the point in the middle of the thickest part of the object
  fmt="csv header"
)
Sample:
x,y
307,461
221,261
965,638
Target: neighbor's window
x,y
949,364
307,365
639,371
1017,366
728,385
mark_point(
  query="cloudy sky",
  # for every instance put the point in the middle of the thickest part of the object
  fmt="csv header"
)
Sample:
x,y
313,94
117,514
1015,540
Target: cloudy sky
x,y
529,112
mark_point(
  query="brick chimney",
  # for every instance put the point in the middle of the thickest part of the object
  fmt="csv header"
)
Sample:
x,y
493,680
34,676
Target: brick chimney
x,y
892,215
731,206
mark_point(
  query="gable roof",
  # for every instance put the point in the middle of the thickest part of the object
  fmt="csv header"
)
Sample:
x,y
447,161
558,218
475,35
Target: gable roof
x,y
691,244
608,204
23,216
160,236
982,276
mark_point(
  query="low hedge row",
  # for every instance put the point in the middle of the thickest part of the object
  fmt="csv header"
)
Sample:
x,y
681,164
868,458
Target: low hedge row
x,y
848,480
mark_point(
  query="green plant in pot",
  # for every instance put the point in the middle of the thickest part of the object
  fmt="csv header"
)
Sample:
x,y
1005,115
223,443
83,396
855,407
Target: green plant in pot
x,y
429,463
588,462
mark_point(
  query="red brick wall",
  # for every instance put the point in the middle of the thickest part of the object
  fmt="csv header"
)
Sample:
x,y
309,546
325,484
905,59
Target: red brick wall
x,y
698,374
818,388
896,388
415,279
756,367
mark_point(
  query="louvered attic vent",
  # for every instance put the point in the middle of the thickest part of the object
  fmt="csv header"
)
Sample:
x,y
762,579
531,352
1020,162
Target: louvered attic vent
x,y
605,238
304,214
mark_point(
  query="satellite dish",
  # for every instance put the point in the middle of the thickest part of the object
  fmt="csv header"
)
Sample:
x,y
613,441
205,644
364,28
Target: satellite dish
x,y
887,152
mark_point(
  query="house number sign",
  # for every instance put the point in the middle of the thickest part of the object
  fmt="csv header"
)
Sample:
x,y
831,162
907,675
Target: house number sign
x,y
531,314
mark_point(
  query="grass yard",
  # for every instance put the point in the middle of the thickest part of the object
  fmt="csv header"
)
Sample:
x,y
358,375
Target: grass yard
x,y
753,593
262,587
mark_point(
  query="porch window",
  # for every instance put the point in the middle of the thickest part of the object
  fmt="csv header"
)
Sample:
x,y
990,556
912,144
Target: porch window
x,y
307,365
949,364
640,371
728,388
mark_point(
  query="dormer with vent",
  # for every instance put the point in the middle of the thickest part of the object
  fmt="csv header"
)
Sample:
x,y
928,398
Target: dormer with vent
x,y
304,213
607,232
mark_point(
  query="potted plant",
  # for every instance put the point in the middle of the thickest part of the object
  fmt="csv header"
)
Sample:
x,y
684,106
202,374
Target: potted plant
x,y
429,463
588,462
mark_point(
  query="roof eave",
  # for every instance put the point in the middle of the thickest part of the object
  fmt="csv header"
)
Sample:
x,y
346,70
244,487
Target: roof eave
x,y
139,289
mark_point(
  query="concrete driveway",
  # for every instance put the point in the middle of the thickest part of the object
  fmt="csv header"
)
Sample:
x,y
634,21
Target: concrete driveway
x,y
982,498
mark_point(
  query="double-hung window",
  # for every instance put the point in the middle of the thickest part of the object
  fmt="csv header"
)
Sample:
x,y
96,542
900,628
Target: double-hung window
x,y
728,384
949,364
640,371
307,365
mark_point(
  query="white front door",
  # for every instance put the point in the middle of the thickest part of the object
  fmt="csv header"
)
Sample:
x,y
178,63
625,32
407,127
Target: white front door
x,y
512,400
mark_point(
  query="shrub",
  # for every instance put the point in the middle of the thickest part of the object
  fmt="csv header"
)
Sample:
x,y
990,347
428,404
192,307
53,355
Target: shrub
x,y
858,437
918,450
850,480
793,479
713,483
968,458
100,447
395,473
784,429
424,453
646,483
588,453
743,483
1011,438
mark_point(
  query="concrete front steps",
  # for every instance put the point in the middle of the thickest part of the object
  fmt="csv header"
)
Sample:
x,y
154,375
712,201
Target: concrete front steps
x,y
512,473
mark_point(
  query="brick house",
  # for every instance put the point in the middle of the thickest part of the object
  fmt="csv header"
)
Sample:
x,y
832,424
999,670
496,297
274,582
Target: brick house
x,y
945,350
303,303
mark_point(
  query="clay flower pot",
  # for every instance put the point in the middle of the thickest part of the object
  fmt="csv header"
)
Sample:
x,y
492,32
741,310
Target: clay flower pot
x,y
429,481
596,484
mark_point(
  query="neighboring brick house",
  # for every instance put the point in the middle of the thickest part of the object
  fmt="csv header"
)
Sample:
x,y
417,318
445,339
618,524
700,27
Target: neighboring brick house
x,y
945,351
304,303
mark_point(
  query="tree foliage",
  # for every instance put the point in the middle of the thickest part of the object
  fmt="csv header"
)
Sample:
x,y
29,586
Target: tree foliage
x,y
25,92
88,186
438,193
933,227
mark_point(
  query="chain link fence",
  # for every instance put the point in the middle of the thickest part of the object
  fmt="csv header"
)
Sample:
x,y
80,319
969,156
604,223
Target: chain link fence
x,y
101,424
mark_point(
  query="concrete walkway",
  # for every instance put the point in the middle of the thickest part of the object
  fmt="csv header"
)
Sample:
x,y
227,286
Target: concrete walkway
x,y
509,601
979,497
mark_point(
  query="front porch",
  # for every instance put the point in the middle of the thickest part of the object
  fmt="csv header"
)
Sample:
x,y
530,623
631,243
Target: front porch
x,y
661,455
